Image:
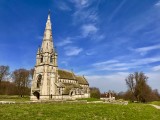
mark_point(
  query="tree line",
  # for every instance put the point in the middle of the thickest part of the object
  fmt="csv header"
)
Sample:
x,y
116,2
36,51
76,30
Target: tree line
x,y
138,90
16,82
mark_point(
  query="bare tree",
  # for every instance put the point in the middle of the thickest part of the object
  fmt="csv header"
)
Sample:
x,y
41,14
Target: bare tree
x,y
137,84
21,79
4,71
131,82
95,92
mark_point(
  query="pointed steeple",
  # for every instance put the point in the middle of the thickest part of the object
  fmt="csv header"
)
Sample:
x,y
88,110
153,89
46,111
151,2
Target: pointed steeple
x,y
48,24
47,44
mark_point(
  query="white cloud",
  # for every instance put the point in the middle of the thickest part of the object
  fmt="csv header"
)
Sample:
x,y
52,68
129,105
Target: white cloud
x,y
90,52
65,42
88,16
123,66
156,68
106,62
63,6
100,37
115,81
84,12
145,60
83,2
89,29
144,50
154,78
158,3
72,51
79,4
144,21
64,63
117,9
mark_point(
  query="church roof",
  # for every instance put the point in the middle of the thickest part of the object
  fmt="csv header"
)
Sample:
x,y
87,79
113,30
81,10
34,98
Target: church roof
x,y
63,74
82,80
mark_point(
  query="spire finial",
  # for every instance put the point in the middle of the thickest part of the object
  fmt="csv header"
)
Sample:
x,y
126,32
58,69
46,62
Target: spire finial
x,y
49,12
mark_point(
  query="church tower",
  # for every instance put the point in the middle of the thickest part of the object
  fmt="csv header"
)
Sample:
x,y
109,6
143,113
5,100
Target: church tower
x,y
46,69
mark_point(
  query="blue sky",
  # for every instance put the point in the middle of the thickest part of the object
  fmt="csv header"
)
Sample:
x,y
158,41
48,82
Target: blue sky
x,y
104,40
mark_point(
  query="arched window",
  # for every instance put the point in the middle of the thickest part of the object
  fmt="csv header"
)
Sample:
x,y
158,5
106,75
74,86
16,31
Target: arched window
x,y
41,58
39,78
51,59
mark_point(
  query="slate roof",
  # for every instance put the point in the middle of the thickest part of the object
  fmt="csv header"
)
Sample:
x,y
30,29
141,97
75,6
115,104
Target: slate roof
x,y
82,80
64,74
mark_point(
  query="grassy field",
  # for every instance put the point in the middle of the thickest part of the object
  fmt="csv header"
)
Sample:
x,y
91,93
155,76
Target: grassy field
x,y
90,99
15,98
75,111
156,103
78,111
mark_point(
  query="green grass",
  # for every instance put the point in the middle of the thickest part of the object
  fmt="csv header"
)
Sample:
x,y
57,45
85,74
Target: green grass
x,y
156,103
77,111
90,99
15,98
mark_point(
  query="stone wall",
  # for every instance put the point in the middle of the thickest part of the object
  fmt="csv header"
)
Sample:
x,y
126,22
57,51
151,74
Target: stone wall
x,y
60,97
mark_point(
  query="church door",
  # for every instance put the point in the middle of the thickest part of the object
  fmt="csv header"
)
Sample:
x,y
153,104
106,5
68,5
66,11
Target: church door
x,y
37,94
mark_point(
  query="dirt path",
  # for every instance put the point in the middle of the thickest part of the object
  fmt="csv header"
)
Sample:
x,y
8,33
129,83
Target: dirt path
x,y
156,106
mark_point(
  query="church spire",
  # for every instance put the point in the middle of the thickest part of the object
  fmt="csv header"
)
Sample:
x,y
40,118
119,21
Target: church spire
x,y
47,44
48,24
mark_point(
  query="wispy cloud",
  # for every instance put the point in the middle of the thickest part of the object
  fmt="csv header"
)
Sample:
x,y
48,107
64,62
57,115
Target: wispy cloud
x,y
156,68
117,10
92,31
90,52
88,16
89,21
79,4
115,65
145,50
84,8
114,81
63,6
106,62
89,29
65,42
154,79
157,4
72,51
65,63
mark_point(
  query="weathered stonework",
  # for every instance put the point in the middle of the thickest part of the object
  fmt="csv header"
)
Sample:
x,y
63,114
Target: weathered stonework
x,y
48,81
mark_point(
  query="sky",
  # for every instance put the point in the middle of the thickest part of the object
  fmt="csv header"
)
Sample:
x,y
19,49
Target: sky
x,y
104,40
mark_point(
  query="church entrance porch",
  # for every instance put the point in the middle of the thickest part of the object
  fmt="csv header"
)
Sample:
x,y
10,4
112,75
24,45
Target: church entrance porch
x,y
37,94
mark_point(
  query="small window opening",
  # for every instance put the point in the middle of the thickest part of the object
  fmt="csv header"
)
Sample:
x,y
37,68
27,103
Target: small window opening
x,y
41,59
51,59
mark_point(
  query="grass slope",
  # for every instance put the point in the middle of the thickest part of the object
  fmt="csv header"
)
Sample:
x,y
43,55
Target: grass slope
x,y
77,111
15,98
156,103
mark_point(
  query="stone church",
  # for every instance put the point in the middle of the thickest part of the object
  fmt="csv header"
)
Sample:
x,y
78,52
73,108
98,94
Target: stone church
x,y
49,82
